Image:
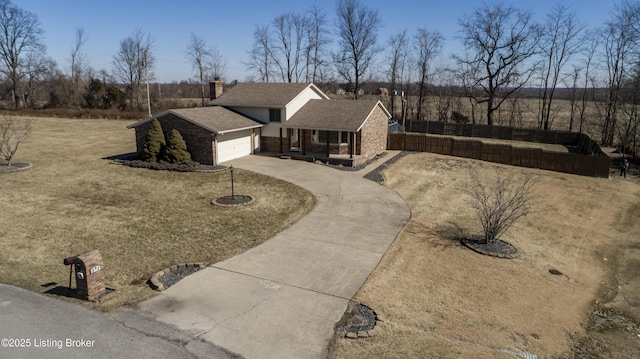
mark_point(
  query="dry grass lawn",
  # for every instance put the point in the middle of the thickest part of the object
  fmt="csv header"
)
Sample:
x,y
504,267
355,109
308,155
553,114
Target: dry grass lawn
x,y
441,300
72,201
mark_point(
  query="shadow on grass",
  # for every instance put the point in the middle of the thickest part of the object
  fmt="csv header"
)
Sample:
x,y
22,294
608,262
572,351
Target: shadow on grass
x,y
124,157
446,235
63,292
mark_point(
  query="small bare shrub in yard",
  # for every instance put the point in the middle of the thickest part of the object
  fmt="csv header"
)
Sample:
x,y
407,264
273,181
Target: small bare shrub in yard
x,y
499,204
12,133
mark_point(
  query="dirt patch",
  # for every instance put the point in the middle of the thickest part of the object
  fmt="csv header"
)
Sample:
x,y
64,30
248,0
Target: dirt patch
x,y
443,300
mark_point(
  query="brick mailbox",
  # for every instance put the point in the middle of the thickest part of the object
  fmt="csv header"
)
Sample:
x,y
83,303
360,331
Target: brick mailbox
x,y
89,273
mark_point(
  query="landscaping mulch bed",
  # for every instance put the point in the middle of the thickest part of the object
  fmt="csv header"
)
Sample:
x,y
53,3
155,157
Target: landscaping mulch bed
x,y
497,248
376,175
236,200
170,278
363,318
186,166
133,160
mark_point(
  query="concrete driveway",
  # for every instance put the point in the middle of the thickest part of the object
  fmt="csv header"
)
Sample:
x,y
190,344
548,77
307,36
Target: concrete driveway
x,y
282,298
40,326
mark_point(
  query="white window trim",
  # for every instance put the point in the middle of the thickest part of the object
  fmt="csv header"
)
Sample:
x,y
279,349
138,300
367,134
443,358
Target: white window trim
x,y
315,137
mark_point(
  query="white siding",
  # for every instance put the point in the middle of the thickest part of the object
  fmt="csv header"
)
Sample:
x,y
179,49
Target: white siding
x,y
260,114
299,101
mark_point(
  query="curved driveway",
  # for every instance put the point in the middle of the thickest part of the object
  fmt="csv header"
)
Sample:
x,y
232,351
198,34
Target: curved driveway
x,y
282,298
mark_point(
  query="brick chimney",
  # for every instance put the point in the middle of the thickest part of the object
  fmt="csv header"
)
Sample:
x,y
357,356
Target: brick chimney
x,y
215,89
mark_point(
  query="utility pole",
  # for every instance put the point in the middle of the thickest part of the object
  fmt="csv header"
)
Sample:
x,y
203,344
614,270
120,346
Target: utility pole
x,y
146,71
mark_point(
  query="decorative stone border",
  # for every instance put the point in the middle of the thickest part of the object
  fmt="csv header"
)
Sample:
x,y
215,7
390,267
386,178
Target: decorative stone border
x,y
365,333
242,200
20,166
155,279
499,248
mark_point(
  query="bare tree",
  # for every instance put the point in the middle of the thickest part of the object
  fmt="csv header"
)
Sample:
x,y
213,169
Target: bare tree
x,y
35,69
499,205
616,42
398,62
317,42
131,65
467,73
589,52
78,65
500,40
12,133
427,45
260,58
20,32
571,83
197,52
217,64
620,39
561,40
357,27
288,50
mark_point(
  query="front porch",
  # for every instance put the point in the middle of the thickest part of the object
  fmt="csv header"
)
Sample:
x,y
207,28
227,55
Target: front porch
x,y
324,145
332,159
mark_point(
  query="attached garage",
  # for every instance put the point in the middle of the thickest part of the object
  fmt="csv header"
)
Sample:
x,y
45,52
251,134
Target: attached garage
x,y
212,134
232,145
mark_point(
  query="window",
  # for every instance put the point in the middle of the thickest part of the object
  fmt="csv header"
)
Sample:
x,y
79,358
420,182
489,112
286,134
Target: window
x,y
274,115
334,136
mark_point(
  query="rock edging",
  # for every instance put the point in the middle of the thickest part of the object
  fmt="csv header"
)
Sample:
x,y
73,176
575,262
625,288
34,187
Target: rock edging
x,y
499,248
14,167
154,281
368,333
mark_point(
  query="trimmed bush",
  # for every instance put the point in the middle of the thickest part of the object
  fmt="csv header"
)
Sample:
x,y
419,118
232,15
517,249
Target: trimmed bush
x,y
154,143
176,150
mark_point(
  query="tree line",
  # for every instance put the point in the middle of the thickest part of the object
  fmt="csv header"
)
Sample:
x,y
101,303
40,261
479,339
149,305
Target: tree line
x,y
506,55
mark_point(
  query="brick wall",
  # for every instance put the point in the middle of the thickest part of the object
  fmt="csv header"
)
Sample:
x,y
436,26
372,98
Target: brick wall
x,y
372,139
199,141
272,144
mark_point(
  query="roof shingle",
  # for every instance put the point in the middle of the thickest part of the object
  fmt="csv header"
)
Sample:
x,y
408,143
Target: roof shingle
x,y
213,118
261,94
332,115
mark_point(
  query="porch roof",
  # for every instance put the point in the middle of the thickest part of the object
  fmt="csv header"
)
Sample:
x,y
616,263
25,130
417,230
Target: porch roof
x,y
333,115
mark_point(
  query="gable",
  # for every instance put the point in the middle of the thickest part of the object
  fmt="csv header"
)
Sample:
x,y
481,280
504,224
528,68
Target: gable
x,y
335,115
215,119
267,95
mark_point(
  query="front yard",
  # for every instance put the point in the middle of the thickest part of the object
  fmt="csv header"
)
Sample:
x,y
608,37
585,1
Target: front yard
x,y
73,201
571,292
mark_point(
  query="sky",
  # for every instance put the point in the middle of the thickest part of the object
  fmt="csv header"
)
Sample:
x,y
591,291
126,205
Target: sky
x,y
228,25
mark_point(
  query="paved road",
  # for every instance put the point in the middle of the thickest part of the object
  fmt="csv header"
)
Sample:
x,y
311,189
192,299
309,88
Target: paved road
x,y
39,326
282,298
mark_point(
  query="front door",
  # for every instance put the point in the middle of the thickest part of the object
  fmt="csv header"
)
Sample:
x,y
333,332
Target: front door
x,y
294,139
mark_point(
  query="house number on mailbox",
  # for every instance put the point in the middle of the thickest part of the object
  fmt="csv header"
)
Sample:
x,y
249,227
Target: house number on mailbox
x,y
94,269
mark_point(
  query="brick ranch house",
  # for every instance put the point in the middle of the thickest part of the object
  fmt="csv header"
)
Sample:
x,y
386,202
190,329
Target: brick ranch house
x,y
296,119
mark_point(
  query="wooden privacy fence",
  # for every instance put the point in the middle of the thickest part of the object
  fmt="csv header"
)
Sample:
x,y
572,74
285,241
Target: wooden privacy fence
x,y
594,164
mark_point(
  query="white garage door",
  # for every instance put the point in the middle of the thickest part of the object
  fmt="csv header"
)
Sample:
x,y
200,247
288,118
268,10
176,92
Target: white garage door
x,y
234,145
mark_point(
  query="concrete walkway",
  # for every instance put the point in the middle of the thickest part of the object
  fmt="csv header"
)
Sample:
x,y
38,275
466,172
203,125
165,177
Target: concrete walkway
x,y
282,298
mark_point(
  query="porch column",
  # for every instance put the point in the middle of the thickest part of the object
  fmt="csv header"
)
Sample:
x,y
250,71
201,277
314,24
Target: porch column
x,y
351,140
303,142
281,151
253,140
327,144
